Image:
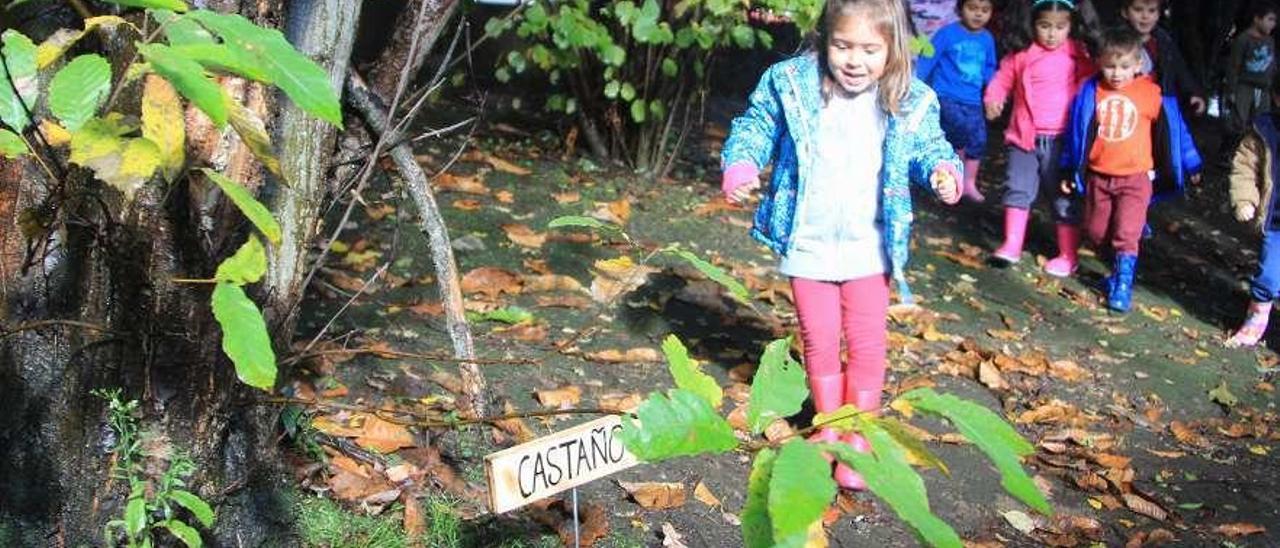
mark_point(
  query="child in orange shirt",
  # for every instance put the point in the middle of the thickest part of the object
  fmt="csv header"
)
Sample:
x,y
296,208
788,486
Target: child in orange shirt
x,y
1112,153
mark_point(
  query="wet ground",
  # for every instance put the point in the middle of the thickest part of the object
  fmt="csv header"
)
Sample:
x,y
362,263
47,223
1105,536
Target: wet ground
x,y
1136,421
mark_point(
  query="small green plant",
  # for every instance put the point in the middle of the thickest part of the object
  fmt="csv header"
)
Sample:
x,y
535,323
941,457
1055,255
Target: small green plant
x,y
153,505
322,522
297,427
636,71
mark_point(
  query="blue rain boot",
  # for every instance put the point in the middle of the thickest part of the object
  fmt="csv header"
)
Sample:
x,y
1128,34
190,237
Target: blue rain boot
x,y
1120,284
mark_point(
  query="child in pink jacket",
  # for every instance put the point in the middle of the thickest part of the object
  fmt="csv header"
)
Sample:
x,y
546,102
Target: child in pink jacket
x,y
1050,63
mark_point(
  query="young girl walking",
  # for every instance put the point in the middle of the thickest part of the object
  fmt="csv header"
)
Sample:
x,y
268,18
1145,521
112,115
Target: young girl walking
x,y
964,60
1050,39
846,127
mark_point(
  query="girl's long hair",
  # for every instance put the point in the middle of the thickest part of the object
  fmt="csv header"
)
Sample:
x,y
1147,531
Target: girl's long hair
x,y
890,18
1020,21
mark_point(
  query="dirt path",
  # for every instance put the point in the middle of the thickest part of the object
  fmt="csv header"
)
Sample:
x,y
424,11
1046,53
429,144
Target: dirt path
x,y
1119,406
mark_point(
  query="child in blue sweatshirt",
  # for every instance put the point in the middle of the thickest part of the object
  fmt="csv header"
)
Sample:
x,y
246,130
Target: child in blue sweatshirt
x,y
963,61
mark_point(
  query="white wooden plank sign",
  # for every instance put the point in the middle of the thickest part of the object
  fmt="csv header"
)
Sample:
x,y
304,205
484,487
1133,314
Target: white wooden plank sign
x,y
551,464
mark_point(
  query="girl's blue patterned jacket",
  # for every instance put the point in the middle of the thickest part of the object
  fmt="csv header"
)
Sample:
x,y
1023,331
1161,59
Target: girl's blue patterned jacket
x,y
781,124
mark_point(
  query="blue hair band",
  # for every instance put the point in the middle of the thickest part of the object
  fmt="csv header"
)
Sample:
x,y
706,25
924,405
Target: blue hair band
x,y
1068,3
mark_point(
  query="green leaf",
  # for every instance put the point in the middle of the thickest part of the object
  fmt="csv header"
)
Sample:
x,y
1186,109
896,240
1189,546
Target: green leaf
x,y
658,109
676,425
19,66
778,390
799,491
79,89
757,529
846,418
250,206
185,533
764,38
222,58
517,61
613,55
197,506
688,374
638,111
628,91
244,336
171,5
11,145
302,80
135,513
921,45
502,74
253,133
508,315
893,480
669,67
611,89
913,445
585,222
992,435
246,266
125,164
715,273
181,30
188,77
1222,395
743,36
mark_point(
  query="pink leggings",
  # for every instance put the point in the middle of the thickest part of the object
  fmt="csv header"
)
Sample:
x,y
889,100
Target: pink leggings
x,y
858,306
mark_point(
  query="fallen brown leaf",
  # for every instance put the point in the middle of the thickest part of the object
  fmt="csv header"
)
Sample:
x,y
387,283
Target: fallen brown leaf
x,y
1005,335
449,182
524,236
616,212
562,301
565,396
467,204
447,380
433,309
526,332
348,486
1144,507
617,276
1167,454
505,197
1239,529
414,523
1069,371
990,377
655,495
551,282
1185,434
514,425
672,538
624,403
490,281
383,436
1108,460
1054,411
566,197
703,493
633,355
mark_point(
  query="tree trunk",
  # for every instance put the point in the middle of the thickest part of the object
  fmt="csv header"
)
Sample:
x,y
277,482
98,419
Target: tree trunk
x,y
95,307
386,72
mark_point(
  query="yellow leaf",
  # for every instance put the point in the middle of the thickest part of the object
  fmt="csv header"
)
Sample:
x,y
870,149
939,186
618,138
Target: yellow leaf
x,y
1095,503
704,494
59,42
1258,450
163,123
253,133
54,134
903,406
122,163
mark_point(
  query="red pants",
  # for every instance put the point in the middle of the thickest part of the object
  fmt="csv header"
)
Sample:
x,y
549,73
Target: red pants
x,y
858,308
1115,210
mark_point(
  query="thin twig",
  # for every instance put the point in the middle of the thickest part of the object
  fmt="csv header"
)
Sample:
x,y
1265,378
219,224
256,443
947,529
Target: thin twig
x,y
386,353
427,421
353,298
7,331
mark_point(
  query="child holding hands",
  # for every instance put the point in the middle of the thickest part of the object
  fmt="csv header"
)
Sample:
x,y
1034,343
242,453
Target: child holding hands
x,y
846,128
1253,196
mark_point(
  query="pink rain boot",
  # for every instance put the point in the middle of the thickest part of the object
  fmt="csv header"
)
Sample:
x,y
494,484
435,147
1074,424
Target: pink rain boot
x,y
971,192
1015,232
828,395
865,400
1255,326
1066,262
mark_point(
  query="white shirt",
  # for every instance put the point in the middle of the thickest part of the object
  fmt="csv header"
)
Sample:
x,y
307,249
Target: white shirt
x,y
838,220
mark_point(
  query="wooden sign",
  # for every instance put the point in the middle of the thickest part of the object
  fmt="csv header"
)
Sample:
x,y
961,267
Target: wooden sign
x,y
555,463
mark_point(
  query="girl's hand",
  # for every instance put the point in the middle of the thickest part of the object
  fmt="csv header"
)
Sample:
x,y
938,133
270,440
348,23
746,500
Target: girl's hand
x,y
1245,212
740,194
994,110
1068,187
944,183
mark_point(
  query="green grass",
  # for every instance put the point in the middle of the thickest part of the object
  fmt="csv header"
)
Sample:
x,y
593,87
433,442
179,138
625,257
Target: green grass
x,y
324,523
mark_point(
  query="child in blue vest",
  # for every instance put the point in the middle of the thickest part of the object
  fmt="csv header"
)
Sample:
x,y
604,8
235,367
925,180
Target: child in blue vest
x,y
1254,172
846,128
964,60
